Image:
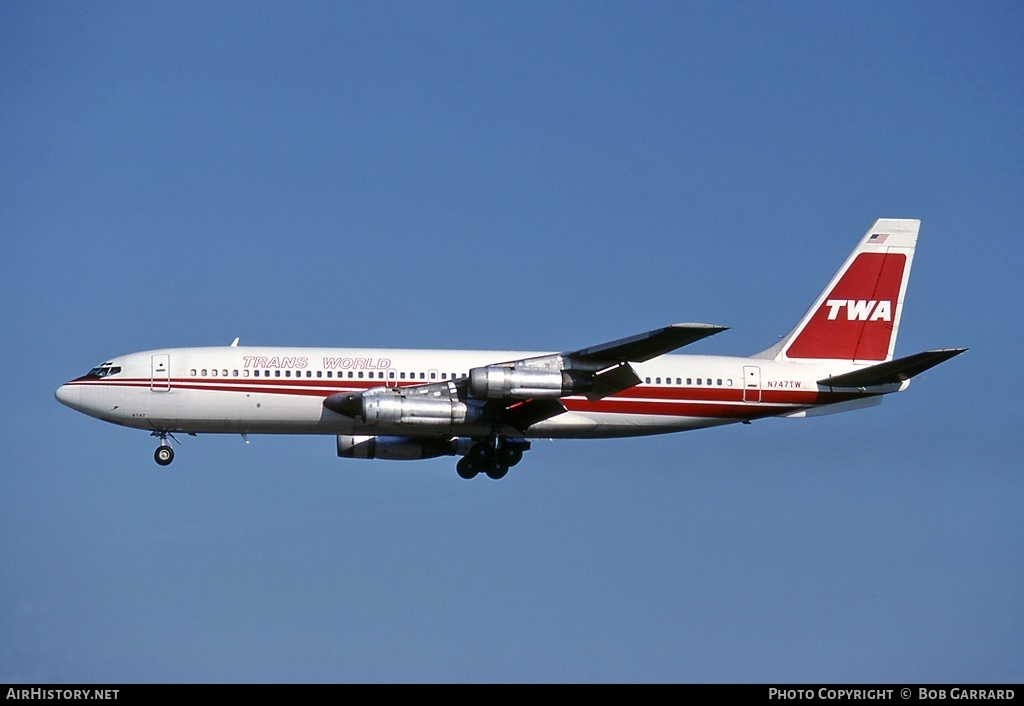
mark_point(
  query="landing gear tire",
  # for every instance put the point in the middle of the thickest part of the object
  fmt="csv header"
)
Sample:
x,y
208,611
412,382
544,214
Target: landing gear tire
x,y
493,457
510,455
497,470
163,455
481,452
466,468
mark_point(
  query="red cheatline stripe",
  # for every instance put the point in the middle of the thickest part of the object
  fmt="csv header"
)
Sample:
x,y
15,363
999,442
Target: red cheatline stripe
x,y
673,401
678,409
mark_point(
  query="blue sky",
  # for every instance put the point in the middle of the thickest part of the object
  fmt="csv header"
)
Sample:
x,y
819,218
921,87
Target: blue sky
x,y
529,175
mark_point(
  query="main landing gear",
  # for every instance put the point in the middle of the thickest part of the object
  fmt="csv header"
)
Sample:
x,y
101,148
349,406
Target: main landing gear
x,y
164,454
492,456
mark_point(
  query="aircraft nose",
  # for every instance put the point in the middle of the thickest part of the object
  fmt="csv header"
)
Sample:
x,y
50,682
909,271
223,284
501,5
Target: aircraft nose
x,y
68,395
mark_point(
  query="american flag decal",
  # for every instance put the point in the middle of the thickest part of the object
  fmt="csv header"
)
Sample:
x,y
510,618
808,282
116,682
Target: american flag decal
x,y
878,238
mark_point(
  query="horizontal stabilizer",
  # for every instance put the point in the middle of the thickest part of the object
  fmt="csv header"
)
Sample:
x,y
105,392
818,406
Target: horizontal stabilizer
x,y
644,346
892,372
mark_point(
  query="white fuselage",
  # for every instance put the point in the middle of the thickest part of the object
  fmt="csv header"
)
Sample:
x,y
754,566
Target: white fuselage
x,y
281,391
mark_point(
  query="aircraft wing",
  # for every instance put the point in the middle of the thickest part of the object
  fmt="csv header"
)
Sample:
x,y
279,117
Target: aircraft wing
x,y
520,393
605,369
597,371
644,346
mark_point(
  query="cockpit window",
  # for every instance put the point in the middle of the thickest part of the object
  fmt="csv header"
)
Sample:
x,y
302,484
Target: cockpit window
x,y
103,371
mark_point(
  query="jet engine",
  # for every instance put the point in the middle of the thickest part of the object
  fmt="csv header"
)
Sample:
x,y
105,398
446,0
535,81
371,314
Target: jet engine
x,y
395,408
500,383
397,448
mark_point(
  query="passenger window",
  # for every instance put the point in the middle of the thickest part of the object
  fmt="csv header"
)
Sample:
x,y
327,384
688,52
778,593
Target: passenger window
x,y
647,380
330,373
245,373
719,382
277,373
234,373
204,372
423,376
679,381
689,381
401,376
698,381
433,376
192,372
709,381
214,371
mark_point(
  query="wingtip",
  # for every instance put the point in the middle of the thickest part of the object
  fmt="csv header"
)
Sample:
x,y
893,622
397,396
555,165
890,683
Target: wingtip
x,y
709,327
950,352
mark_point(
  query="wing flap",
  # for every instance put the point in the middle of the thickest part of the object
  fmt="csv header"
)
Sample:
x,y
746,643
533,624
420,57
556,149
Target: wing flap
x,y
523,415
608,382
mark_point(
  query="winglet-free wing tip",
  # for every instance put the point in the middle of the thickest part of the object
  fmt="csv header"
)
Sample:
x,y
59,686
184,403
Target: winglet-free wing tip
x,y
712,327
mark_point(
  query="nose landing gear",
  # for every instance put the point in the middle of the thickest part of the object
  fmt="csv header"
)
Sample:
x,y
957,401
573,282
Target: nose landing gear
x,y
164,453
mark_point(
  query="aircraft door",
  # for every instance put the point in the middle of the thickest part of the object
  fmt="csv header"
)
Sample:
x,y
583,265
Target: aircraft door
x,y
160,376
751,383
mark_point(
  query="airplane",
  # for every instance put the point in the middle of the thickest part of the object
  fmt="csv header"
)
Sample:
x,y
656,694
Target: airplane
x,y
486,408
